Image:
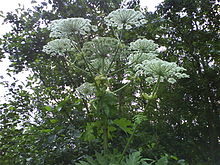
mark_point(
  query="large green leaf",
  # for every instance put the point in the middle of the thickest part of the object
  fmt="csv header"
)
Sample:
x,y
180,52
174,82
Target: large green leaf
x,y
124,124
162,161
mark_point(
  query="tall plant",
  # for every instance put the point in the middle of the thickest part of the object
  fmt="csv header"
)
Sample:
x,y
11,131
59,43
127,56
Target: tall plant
x,y
105,62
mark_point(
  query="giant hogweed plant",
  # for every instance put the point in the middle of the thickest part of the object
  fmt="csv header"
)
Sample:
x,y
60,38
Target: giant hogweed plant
x,y
101,59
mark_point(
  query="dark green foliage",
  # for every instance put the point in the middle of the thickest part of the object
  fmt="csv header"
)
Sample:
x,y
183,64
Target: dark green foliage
x,y
189,109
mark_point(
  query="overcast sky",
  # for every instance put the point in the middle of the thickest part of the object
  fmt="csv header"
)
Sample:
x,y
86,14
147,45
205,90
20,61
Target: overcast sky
x,y
10,5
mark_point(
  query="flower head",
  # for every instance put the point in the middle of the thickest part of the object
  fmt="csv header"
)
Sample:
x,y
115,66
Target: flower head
x,y
144,45
125,18
65,28
98,64
59,47
158,68
101,47
138,57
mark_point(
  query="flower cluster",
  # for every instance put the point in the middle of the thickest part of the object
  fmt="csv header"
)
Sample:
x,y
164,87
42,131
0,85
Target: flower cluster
x,y
144,45
102,52
99,64
125,18
143,49
65,28
59,47
101,47
153,69
139,57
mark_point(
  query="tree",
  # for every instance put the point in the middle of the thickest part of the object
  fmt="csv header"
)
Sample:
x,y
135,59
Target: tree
x,y
191,31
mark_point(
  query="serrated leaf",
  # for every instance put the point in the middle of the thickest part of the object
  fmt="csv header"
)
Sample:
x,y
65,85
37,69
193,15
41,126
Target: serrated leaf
x,y
124,124
134,158
110,130
162,161
88,135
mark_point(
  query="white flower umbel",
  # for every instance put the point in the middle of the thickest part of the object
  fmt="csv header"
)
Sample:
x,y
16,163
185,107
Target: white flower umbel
x,y
65,28
139,57
101,47
153,69
125,18
144,45
59,47
99,64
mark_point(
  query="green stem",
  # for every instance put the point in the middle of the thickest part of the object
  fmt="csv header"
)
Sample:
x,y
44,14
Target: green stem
x,y
80,69
112,73
104,121
86,62
105,137
117,90
103,65
90,71
135,126
128,143
116,52
156,87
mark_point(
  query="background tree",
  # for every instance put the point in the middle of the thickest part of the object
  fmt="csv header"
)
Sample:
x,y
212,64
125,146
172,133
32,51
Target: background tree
x,y
191,108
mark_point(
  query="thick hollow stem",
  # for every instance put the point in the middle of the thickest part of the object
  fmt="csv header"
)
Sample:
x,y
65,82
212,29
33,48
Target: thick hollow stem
x,y
105,138
128,142
104,121
136,125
